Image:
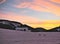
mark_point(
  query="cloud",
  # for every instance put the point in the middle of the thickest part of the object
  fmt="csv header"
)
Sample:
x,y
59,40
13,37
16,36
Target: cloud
x,y
29,20
2,1
25,19
41,5
56,1
36,5
19,18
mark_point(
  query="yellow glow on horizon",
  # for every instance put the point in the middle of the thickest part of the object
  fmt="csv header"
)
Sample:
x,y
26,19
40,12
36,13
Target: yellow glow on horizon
x,y
31,21
46,26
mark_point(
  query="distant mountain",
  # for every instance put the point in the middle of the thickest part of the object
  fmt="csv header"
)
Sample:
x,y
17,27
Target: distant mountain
x,y
40,29
29,27
13,25
9,24
6,24
56,29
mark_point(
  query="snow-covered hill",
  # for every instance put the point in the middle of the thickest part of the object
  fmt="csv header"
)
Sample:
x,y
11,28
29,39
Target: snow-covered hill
x,y
20,37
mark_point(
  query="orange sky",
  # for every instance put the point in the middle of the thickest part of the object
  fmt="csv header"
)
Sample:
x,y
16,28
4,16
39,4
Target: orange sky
x,y
32,12
34,22
37,6
57,1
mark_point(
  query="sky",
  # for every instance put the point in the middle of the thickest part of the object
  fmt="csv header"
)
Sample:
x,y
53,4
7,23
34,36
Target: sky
x,y
35,13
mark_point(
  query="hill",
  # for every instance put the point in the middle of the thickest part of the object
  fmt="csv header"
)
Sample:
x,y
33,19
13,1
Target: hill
x,y
13,25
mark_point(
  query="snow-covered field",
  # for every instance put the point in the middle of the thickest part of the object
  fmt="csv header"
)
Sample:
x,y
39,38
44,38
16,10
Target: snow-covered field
x,y
19,37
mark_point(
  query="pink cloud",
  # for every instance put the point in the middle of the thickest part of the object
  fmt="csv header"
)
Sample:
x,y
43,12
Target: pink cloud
x,y
19,18
24,19
2,1
40,5
28,20
56,1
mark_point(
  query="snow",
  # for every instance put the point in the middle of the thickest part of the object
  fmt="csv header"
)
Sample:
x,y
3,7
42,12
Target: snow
x,y
20,37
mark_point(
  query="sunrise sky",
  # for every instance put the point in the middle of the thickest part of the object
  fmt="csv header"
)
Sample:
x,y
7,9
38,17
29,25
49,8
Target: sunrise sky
x,y
35,13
